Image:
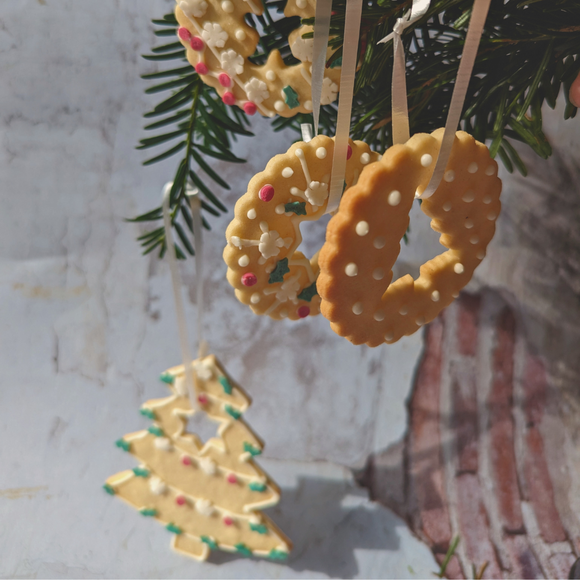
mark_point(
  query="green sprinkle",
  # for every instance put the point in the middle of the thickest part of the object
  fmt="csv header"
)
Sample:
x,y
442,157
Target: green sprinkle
x,y
225,384
167,378
260,528
243,549
308,293
257,486
141,472
233,412
291,97
278,555
297,207
173,528
157,431
249,448
122,444
148,512
109,489
210,542
279,271
148,413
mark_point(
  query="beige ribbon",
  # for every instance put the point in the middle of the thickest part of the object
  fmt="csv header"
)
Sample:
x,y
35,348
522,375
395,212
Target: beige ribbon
x,y
319,48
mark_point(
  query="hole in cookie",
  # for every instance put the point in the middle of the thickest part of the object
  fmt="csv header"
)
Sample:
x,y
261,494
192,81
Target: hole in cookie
x,y
202,426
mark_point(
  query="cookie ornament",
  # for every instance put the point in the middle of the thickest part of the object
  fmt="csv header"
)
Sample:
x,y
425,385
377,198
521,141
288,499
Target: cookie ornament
x,y
363,238
265,265
219,42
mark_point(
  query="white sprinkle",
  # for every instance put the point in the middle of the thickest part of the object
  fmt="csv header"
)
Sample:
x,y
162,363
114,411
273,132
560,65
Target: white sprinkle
x,y
379,242
280,209
255,298
426,160
204,507
458,268
283,313
287,172
362,228
490,170
227,6
163,443
468,224
472,167
468,197
420,321
240,34
365,158
403,311
321,153
244,261
487,199
271,75
308,105
157,485
474,240
449,176
279,106
455,294
491,216
295,191
251,214
378,274
480,255
389,336
394,198
379,315
435,296
357,308
207,465
351,269
447,206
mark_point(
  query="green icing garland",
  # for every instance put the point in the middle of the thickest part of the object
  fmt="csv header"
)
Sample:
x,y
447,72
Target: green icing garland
x,y
109,489
157,431
210,542
260,528
167,378
233,412
148,512
257,486
278,555
148,413
174,529
225,384
141,472
251,449
279,271
243,549
122,444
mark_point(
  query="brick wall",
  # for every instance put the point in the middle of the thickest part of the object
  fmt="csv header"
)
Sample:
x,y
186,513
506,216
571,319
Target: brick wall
x,y
485,452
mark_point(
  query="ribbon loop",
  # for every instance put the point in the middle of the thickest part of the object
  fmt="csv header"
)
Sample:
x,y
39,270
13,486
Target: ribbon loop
x,y
319,48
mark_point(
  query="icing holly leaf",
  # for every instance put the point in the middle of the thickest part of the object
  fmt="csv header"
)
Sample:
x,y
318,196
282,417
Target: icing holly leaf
x,y
249,448
148,512
278,555
260,528
243,549
122,444
167,378
308,293
233,412
148,413
174,529
291,97
225,384
257,486
279,271
210,542
297,207
156,431
141,472
109,489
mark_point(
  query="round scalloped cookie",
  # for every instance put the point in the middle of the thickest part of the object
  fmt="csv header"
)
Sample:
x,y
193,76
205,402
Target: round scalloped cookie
x,y
265,266
219,42
363,239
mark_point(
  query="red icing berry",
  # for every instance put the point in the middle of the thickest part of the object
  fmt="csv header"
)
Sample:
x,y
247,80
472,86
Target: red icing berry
x,y
202,399
266,193
249,279
180,500
184,34
232,478
303,311
197,43
186,460
349,152
229,98
225,80
228,521
250,108
201,68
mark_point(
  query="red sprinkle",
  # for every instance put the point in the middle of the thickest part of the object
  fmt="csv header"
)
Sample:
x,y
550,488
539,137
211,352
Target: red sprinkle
x,y
201,68
349,152
249,279
266,193
303,311
229,98
250,108
180,500
232,478
186,460
225,80
184,34
228,521
202,399
197,43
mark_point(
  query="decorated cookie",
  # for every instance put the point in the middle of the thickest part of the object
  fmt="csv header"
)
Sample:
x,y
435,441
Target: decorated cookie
x,y
207,495
219,42
265,265
363,239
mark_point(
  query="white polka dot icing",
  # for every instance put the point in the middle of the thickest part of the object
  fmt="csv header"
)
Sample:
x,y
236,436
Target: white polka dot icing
x,y
279,106
459,268
472,168
426,160
271,75
449,176
351,269
287,172
244,261
251,214
435,296
365,158
255,298
362,228
468,197
240,34
394,198
378,273
280,209
227,6
357,308
321,153
490,170
379,242
379,315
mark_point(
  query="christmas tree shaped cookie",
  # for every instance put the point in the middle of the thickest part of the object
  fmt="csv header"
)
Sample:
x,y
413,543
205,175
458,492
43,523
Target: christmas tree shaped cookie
x,y
207,495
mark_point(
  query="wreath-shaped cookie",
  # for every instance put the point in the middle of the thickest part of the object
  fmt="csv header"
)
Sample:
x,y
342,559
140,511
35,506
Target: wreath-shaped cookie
x,y
363,238
219,42
265,265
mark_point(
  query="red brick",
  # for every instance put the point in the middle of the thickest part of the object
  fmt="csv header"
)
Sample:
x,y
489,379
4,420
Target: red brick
x,y
467,323
535,387
501,426
474,526
561,564
425,462
464,422
523,563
